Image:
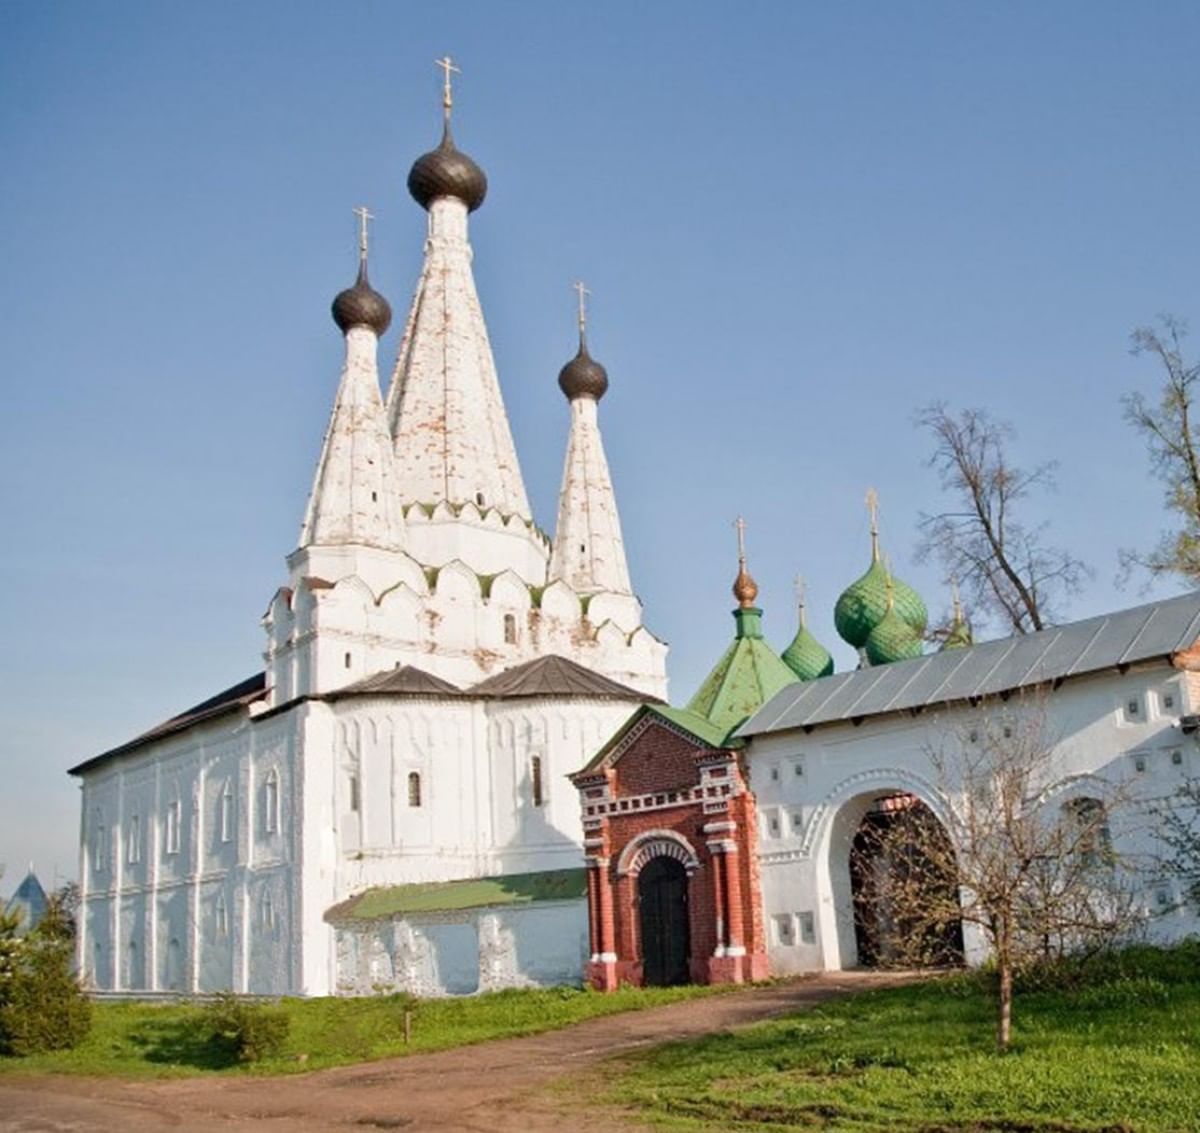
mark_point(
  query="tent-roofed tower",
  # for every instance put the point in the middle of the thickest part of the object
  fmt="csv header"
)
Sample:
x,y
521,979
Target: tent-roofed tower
x,y
749,672
589,553
454,450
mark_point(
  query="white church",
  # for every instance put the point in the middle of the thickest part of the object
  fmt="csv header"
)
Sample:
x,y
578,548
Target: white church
x,y
435,666
387,805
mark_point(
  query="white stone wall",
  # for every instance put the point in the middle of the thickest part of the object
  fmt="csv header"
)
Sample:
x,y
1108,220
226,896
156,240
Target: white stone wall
x,y
461,953
813,789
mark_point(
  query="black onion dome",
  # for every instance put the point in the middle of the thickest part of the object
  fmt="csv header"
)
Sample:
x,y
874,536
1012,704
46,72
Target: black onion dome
x,y
447,172
362,306
583,376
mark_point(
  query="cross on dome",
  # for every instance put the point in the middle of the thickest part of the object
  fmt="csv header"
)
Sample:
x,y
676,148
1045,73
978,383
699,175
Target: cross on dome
x,y
745,589
448,68
363,216
583,292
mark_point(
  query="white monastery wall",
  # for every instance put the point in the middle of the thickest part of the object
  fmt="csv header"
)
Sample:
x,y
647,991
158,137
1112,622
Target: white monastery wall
x,y
1109,731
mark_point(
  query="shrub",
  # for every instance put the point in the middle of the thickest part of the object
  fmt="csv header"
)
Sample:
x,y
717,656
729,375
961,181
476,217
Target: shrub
x,y
42,1006
243,1030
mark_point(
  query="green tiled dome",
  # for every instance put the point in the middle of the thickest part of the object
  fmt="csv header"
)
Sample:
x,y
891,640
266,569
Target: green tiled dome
x,y
864,603
958,636
893,639
807,657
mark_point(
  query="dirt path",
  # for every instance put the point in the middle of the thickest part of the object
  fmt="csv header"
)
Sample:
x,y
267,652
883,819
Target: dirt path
x,y
497,1087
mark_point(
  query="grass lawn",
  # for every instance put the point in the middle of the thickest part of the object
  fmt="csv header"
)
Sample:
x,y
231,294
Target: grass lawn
x,y
1120,1052
164,1040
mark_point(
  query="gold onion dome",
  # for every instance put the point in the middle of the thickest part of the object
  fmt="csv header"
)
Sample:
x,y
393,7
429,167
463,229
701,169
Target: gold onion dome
x,y
361,305
447,172
745,589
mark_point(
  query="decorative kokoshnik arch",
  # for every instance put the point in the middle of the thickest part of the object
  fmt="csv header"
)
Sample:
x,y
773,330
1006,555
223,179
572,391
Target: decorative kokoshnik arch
x,y
656,844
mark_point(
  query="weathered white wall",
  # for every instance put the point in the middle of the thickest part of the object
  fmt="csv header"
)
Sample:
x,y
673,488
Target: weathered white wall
x,y
539,945
813,790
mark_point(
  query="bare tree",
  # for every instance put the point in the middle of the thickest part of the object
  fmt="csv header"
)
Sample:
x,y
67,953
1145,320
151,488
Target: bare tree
x,y
1008,571
1169,427
1025,858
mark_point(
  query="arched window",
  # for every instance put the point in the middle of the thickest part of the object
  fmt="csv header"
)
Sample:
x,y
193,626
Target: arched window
x,y
227,812
414,789
535,780
271,802
510,629
1091,838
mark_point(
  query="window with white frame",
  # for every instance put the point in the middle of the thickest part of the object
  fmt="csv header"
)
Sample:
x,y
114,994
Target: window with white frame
x,y
510,629
808,928
785,930
171,828
1092,838
271,802
133,840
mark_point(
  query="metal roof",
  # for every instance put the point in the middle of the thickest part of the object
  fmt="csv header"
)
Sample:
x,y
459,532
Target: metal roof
x,y
555,676
1156,630
407,680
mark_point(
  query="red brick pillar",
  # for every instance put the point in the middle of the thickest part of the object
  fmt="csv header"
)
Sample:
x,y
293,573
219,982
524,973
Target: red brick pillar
x,y
602,972
718,886
629,964
733,901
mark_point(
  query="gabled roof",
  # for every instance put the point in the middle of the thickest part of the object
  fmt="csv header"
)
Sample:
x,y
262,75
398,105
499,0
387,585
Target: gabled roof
x,y
406,680
1158,630
554,676
233,699
680,719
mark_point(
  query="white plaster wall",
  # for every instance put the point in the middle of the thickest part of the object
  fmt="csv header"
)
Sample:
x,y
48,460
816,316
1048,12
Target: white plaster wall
x,y
539,945
808,816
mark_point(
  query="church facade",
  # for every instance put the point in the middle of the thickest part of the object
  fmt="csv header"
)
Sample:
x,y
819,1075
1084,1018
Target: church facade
x,y
385,805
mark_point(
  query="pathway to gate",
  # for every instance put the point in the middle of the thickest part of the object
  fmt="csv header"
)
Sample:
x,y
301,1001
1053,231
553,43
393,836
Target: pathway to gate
x,y
497,1087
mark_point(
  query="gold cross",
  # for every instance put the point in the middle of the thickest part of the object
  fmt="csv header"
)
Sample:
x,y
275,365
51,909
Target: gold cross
x,y
873,509
799,584
740,524
363,216
583,293
447,65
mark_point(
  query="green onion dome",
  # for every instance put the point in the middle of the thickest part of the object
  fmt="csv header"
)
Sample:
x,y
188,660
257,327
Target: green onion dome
x,y
864,602
806,656
958,636
893,639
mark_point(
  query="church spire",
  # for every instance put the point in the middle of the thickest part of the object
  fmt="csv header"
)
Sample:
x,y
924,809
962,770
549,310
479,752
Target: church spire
x,y
589,553
451,435
354,500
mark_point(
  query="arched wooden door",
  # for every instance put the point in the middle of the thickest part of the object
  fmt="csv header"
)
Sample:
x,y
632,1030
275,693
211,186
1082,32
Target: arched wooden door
x,y
662,899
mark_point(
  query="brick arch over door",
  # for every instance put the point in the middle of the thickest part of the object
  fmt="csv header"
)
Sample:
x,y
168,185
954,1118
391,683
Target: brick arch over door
x,y
656,844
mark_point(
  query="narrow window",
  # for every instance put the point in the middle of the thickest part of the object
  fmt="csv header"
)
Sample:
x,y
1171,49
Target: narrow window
x,y
347,660
171,837
535,776
374,497
227,812
100,849
774,774
221,916
798,768
271,802
1177,758
133,844
1133,709
1168,701
267,910
808,928
1093,841
510,629
479,498
414,789
355,800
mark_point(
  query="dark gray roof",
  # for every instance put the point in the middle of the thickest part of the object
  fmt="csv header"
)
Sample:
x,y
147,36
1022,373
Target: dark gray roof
x,y
232,699
555,676
1156,630
406,680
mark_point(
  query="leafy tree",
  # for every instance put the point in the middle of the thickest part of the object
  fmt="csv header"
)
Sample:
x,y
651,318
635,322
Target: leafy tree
x,y
1008,572
42,1006
1169,426
1033,872
1179,831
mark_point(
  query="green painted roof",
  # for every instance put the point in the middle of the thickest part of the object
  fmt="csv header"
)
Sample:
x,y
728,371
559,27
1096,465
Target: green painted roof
x,y
807,657
744,679
472,893
864,602
694,725
893,639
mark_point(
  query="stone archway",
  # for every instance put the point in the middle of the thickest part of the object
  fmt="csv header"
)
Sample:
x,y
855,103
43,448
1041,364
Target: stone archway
x,y
839,821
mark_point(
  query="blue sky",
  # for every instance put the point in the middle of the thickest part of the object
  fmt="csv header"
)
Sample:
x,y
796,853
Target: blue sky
x,y
799,222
